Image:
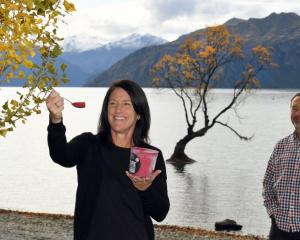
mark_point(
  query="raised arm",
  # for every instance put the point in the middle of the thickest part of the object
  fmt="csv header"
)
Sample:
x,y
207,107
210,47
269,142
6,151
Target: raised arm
x,y
67,154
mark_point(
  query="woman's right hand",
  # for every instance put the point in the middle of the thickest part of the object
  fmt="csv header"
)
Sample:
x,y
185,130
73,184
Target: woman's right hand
x,y
55,105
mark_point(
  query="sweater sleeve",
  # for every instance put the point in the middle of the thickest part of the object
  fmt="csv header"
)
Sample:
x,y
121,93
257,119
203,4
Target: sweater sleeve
x,y
269,195
155,199
67,154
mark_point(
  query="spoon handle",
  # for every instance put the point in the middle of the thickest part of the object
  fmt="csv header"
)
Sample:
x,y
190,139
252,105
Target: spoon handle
x,y
67,100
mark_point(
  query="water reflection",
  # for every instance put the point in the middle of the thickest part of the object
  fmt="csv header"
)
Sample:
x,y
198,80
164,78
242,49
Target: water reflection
x,y
179,166
190,203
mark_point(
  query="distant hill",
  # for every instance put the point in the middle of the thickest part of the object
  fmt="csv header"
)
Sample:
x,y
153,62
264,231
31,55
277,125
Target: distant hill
x,y
281,32
77,76
96,60
233,21
85,65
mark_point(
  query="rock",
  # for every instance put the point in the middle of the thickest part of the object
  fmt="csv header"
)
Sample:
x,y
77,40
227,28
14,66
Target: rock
x,y
227,225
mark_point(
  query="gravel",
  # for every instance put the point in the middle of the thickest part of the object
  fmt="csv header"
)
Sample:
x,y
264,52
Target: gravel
x,y
16,225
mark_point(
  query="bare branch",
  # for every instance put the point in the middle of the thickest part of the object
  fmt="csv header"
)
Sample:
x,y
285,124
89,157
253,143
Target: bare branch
x,y
187,95
179,94
235,132
185,109
199,103
237,93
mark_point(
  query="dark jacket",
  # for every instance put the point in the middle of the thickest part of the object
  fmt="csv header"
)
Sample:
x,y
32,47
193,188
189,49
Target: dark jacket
x,y
107,205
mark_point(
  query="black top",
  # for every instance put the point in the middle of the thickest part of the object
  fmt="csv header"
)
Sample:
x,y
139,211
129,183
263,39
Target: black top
x,y
108,206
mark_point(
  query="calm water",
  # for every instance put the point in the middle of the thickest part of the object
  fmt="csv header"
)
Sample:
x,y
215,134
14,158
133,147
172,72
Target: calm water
x,y
225,182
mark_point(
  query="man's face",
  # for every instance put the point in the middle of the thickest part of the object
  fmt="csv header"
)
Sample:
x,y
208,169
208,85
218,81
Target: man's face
x,y
295,113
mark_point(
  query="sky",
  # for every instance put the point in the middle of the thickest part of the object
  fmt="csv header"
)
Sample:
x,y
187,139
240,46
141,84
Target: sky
x,y
106,21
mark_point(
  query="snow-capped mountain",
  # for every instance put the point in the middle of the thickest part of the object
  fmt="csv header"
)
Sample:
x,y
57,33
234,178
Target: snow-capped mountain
x,y
84,43
136,41
81,43
94,61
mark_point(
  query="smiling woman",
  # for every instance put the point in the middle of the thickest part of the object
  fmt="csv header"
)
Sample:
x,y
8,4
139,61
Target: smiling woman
x,y
108,197
125,115
121,116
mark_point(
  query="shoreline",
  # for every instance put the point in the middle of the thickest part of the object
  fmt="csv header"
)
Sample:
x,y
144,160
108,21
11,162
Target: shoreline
x,y
22,225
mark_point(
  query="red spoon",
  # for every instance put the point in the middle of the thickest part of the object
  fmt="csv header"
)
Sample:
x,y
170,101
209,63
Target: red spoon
x,y
77,104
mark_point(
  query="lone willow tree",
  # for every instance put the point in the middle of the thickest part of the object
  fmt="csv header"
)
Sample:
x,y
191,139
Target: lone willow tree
x,y
28,49
196,68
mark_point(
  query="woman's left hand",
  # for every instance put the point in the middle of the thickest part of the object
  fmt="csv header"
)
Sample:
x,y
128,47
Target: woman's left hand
x,y
142,183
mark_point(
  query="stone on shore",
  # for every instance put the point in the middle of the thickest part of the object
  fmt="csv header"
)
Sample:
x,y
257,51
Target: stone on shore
x,y
227,225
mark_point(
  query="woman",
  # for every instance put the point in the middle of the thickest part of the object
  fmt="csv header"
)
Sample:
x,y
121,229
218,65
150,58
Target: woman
x,y
111,203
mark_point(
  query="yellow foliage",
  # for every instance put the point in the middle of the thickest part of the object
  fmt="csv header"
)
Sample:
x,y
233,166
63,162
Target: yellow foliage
x,y
32,53
195,45
38,21
27,63
3,132
188,75
30,80
10,75
259,50
69,6
3,47
41,85
21,74
207,52
55,83
28,26
14,103
202,58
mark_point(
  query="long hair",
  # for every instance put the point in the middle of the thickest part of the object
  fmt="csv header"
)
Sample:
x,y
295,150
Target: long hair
x,y
140,106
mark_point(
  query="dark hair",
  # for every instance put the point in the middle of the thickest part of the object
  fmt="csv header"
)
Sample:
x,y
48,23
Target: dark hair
x,y
296,95
140,105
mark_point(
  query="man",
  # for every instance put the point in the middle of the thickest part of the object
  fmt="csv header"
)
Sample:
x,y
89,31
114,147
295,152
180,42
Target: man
x,y
281,185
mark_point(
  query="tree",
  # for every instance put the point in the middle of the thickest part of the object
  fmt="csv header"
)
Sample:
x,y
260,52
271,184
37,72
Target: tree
x,y
196,68
29,46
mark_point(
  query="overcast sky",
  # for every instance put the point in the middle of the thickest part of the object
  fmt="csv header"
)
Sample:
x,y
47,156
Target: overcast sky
x,y
111,20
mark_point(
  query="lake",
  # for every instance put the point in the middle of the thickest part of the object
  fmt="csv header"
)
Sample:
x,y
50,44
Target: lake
x,y
224,182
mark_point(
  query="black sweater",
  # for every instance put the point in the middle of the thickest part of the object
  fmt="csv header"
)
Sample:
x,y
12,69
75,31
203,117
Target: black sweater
x,y
108,206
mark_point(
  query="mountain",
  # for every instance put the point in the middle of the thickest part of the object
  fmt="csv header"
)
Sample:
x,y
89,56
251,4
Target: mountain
x,y
233,21
75,74
281,32
81,43
136,41
84,65
96,60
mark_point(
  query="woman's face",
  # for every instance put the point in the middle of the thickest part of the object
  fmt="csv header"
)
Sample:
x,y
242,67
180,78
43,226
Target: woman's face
x,y
121,115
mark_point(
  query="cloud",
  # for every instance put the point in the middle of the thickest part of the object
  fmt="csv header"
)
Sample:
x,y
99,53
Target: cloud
x,y
112,20
113,29
168,9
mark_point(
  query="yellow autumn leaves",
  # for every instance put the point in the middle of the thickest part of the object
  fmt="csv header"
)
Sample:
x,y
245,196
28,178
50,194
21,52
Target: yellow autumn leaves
x,y
201,59
27,33
69,6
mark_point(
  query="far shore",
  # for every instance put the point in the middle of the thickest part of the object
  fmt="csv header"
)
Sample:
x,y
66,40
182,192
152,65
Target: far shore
x,y
18,225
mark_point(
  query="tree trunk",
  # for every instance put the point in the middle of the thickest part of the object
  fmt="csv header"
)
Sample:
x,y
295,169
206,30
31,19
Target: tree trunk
x,y
179,157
